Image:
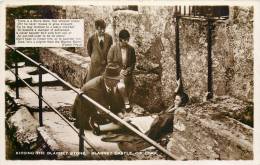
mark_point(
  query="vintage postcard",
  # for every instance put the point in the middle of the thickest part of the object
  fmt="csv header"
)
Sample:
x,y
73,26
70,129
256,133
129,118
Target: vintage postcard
x,y
150,81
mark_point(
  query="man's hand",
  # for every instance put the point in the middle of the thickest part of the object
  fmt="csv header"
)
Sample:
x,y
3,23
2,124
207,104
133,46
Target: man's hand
x,y
120,115
123,73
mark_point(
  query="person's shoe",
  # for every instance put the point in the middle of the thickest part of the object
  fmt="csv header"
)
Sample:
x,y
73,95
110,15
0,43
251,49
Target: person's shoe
x,y
95,127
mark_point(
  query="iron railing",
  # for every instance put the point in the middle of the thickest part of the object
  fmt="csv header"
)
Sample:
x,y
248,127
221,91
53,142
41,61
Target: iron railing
x,y
210,14
80,132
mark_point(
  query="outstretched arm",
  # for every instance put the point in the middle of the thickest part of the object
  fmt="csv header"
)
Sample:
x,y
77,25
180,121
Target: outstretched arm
x,y
172,107
178,86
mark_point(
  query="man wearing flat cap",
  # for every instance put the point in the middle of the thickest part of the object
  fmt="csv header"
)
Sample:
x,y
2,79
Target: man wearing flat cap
x,y
98,46
102,89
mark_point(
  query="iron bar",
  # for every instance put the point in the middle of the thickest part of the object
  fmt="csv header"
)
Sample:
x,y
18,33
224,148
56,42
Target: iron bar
x,y
210,79
16,77
40,95
81,143
177,49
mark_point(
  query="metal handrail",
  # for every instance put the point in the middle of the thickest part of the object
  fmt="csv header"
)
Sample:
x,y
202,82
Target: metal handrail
x,y
54,109
127,125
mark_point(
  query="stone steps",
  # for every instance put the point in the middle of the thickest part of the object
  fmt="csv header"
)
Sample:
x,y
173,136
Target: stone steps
x,y
57,135
53,92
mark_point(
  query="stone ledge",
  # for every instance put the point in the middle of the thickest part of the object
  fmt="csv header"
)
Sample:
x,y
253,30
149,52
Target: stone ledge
x,y
69,66
24,127
204,132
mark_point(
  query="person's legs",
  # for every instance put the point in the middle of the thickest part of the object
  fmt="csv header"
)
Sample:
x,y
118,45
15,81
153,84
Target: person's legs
x,y
122,90
109,127
162,124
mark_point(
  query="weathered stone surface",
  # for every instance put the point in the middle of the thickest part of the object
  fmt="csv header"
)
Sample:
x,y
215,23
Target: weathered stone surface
x,y
240,44
55,95
89,14
204,131
147,92
45,78
24,128
23,73
69,66
232,54
59,137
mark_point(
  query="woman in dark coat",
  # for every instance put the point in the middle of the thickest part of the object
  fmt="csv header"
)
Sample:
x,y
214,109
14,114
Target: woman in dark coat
x,y
123,55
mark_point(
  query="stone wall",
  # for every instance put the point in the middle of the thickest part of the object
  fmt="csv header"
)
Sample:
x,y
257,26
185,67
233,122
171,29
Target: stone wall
x,y
69,66
89,14
152,30
145,37
232,54
240,50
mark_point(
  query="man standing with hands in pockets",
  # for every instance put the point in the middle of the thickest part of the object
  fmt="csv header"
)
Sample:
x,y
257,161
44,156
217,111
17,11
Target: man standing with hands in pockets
x,y
98,46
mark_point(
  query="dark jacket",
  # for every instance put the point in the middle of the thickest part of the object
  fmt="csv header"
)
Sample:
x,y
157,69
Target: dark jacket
x,y
82,109
98,55
115,56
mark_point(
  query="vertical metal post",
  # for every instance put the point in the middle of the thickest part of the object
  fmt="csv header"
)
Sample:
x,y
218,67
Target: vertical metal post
x,y
210,79
81,143
177,47
16,75
40,95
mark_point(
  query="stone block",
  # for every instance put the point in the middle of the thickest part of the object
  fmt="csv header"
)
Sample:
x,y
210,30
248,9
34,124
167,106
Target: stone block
x,y
147,92
24,127
69,66
206,132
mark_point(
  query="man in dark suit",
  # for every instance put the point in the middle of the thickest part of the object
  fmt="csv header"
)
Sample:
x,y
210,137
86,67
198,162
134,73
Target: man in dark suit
x,y
98,46
123,54
103,89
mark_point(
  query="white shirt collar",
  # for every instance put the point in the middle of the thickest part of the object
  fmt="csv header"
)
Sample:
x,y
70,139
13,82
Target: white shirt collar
x,y
100,38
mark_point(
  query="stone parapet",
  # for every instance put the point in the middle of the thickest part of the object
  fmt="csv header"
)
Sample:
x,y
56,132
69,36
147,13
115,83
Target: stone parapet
x,y
69,66
205,131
